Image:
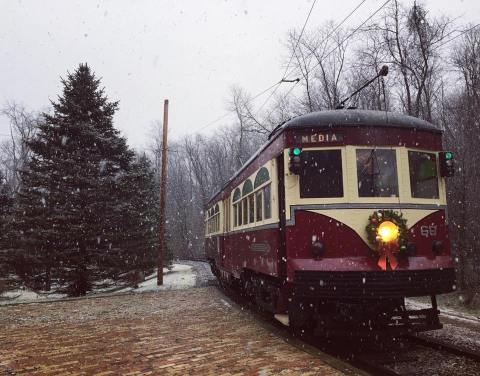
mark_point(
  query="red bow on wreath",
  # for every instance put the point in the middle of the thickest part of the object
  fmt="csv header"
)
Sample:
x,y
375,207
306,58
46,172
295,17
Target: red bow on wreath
x,y
387,255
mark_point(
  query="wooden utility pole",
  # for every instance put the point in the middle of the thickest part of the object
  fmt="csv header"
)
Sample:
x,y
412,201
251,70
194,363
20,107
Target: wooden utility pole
x,y
163,188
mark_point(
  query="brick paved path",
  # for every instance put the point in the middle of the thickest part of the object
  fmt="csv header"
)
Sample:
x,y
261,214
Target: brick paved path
x,y
182,332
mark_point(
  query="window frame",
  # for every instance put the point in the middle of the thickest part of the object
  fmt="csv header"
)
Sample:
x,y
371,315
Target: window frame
x,y
351,195
259,176
292,182
324,150
234,212
442,193
258,208
246,200
437,172
397,170
212,220
264,189
245,210
251,208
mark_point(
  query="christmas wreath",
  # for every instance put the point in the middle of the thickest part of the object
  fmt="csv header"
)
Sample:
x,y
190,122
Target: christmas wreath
x,y
380,216
387,231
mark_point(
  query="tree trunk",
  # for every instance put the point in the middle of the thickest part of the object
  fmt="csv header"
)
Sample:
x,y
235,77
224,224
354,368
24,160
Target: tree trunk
x,y
48,281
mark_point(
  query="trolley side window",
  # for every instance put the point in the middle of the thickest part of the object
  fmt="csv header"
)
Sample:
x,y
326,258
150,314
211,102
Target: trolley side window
x,y
377,173
251,208
245,211
266,202
237,208
235,217
258,202
239,213
423,174
321,174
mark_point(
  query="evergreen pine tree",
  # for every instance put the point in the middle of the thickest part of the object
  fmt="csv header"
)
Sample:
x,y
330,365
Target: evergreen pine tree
x,y
70,204
141,218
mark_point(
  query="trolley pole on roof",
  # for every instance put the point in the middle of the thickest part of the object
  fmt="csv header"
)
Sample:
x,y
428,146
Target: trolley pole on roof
x,y
162,247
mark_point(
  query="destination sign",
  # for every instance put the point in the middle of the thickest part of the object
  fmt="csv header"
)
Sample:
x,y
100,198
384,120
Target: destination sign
x,y
318,138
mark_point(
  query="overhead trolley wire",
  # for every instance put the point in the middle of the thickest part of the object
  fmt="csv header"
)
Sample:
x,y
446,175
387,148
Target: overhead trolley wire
x,y
352,33
369,18
286,95
299,38
332,31
458,35
268,98
277,84
228,113
289,62
298,42
214,121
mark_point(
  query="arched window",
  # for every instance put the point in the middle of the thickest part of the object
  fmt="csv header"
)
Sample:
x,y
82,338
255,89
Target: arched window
x,y
262,177
237,195
247,188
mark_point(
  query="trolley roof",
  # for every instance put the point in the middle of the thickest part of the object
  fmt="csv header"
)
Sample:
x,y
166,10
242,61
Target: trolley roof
x,y
332,118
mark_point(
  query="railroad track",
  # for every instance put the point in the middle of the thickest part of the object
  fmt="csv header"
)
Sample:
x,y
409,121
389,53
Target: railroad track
x,y
406,356
424,356
449,347
417,355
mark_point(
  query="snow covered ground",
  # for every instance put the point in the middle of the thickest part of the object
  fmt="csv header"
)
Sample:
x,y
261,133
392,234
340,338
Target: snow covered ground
x,y
22,296
444,311
179,277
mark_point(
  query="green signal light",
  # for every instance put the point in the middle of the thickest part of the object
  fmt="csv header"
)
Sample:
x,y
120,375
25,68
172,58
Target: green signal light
x,y
296,151
448,155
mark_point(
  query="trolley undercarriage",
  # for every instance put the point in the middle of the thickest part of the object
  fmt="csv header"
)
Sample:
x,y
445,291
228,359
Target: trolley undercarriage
x,y
344,303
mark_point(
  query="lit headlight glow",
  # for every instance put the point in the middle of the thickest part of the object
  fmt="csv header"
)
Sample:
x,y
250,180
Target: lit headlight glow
x,y
388,231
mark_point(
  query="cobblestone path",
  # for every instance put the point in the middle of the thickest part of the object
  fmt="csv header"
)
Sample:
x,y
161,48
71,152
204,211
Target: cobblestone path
x,y
183,332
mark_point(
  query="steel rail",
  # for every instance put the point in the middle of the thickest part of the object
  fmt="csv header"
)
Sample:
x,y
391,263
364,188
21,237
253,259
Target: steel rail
x,y
447,347
373,368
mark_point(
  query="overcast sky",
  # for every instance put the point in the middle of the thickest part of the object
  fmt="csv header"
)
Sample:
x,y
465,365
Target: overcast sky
x,y
190,52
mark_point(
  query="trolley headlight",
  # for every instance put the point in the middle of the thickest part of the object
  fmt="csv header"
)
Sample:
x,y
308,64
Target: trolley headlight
x,y
388,231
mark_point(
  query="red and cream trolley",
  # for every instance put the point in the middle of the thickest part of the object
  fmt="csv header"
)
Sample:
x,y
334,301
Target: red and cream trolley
x,y
337,219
